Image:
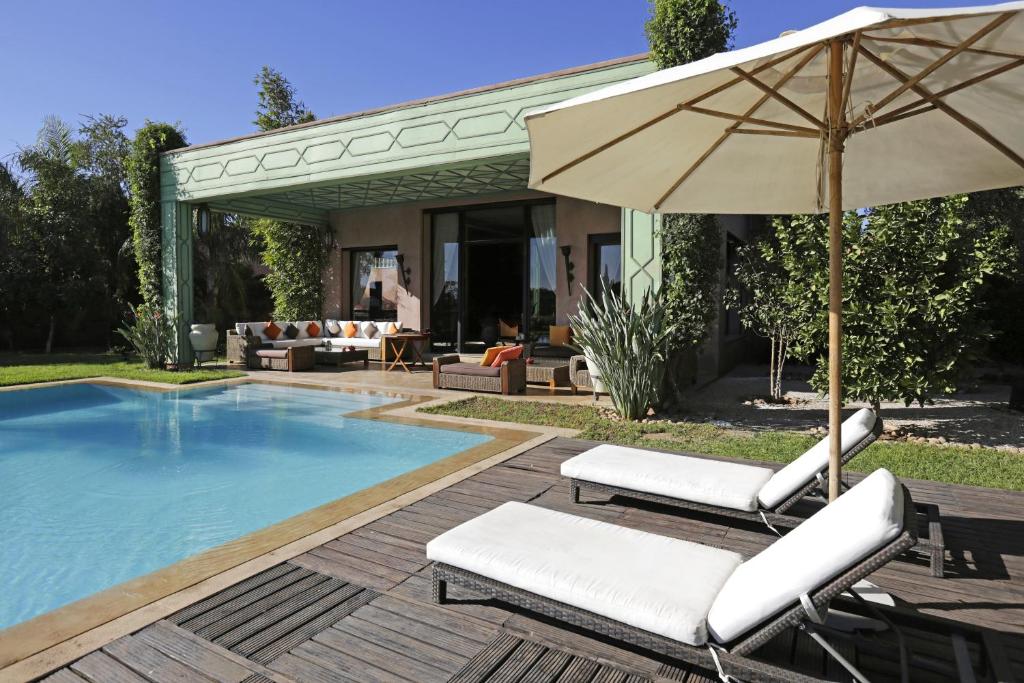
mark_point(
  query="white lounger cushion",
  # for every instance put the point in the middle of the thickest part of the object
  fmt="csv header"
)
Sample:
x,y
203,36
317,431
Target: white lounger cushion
x,y
832,540
712,482
655,583
801,471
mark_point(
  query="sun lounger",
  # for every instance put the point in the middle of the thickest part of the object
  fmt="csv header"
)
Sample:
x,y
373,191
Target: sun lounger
x,y
704,605
734,489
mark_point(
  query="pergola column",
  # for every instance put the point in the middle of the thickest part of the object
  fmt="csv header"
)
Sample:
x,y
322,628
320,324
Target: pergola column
x,y
176,228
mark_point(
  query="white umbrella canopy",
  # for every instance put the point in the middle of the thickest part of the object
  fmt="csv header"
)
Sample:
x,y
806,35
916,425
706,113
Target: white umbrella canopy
x,y
871,107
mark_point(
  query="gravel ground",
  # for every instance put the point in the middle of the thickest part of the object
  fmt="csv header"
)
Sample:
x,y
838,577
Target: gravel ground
x,y
980,417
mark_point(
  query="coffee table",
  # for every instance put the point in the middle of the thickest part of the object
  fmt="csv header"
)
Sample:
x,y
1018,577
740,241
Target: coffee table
x,y
337,357
551,371
396,344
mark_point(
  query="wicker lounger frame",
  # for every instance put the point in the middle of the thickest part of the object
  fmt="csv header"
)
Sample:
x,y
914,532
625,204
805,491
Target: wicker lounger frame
x,y
932,545
733,657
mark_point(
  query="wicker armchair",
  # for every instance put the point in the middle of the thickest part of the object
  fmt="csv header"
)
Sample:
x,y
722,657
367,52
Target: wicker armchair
x,y
451,373
238,347
579,376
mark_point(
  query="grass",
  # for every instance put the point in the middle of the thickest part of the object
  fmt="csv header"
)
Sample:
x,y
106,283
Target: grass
x,y
32,369
987,467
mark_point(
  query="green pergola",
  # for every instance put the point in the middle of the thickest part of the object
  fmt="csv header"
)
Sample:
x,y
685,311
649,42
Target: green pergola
x,y
455,146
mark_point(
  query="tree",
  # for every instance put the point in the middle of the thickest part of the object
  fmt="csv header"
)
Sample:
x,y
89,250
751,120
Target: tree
x,y
143,172
13,267
772,298
683,31
278,105
678,32
915,279
294,253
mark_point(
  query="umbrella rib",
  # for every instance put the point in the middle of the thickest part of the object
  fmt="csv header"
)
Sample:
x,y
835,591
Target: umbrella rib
x,y
671,112
775,94
848,81
930,42
908,82
964,121
908,110
735,127
753,120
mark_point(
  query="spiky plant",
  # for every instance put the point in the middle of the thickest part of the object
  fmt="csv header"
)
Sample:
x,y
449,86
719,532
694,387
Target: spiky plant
x,y
627,343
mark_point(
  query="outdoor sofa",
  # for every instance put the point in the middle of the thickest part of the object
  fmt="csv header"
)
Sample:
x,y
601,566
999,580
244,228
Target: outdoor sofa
x,y
748,492
293,359
368,335
704,605
451,373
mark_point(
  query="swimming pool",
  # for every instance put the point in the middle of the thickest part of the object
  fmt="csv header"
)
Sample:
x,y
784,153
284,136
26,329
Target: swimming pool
x,y
100,484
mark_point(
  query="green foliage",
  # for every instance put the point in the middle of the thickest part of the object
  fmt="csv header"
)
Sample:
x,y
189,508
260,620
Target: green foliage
x,y
682,31
225,287
150,334
296,258
143,170
770,302
33,370
915,279
294,253
691,261
278,105
627,343
985,467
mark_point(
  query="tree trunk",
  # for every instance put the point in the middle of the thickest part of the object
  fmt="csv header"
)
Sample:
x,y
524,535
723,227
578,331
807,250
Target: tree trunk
x,y
779,364
50,334
771,369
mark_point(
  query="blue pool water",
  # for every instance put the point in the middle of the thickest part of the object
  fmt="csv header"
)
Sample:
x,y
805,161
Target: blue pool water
x,y
99,484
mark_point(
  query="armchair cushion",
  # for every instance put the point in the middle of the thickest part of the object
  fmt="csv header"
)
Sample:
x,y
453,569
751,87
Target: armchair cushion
x,y
470,369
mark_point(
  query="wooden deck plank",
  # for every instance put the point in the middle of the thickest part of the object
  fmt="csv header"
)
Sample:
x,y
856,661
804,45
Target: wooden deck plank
x,y
403,665
99,667
150,662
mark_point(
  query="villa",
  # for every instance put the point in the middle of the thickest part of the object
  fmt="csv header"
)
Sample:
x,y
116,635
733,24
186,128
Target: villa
x,y
431,218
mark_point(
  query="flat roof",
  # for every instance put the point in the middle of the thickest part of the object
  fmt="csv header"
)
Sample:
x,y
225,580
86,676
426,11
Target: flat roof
x,y
426,100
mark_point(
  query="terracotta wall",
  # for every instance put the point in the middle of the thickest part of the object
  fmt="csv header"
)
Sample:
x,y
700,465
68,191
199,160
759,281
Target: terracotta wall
x,y
408,227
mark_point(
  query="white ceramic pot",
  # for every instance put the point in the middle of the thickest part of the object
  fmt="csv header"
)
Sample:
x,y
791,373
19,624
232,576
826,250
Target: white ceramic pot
x,y
595,376
203,337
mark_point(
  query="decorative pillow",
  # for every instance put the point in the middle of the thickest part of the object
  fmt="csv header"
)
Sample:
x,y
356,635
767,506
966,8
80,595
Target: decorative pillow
x,y
370,330
291,331
272,331
490,354
350,330
559,335
313,329
333,328
509,353
392,329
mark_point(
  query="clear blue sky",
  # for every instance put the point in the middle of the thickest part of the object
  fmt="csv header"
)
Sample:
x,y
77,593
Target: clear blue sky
x,y
193,62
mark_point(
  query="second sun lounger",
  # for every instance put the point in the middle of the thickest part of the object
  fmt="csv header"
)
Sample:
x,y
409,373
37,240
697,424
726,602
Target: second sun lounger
x,y
700,604
733,489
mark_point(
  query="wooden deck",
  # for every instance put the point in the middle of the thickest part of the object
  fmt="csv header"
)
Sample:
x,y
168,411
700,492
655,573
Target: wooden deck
x,y
358,608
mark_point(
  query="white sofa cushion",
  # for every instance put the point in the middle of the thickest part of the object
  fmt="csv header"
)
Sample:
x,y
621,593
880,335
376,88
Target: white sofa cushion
x,y
711,482
655,583
255,328
288,343
801,471
831,541
358,342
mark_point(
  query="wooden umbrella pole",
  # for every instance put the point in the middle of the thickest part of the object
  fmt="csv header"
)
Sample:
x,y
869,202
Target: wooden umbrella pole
x,y
836,139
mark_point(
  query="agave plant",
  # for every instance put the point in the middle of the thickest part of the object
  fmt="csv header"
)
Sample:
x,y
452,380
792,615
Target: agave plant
x,y
149,334
628,344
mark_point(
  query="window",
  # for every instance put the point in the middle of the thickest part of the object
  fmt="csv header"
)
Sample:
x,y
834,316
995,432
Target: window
x,y
375,284
605,259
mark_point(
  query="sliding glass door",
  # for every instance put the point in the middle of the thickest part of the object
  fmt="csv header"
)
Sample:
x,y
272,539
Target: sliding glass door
x,y
493,274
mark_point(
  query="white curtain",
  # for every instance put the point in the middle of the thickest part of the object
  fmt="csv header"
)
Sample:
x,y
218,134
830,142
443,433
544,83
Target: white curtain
x,y
445,253
543,248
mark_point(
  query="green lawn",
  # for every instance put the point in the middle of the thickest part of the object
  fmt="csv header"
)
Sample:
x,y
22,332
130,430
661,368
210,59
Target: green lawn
x,y
986,467
32,369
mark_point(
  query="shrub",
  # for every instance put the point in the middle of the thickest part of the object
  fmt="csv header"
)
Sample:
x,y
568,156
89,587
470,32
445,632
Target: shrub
x,y
627,343
150,333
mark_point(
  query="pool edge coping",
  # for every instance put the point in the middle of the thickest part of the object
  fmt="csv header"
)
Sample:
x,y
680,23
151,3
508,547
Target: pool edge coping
x,y
43,643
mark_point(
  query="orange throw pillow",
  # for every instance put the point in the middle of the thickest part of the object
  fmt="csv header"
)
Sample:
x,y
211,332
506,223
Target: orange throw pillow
x,y
511,353
490,354
558,335
313,330
392,329
272,331
350,330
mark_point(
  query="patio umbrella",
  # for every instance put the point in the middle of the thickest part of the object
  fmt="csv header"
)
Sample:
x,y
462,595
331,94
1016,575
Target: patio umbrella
x,y
871,107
